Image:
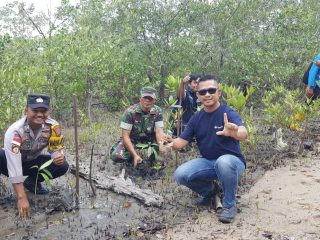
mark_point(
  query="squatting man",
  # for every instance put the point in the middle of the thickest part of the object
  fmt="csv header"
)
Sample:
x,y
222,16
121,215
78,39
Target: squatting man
x,y
25,145
217,129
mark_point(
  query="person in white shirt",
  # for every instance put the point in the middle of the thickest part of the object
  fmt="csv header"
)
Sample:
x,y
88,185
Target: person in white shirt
x,y
27,143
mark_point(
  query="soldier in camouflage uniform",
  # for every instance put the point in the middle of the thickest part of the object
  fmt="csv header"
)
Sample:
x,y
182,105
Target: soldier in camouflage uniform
x,y
26,144
141,123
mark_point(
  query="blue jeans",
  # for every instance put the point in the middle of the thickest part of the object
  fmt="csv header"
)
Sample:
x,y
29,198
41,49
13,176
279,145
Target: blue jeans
x,y
198,175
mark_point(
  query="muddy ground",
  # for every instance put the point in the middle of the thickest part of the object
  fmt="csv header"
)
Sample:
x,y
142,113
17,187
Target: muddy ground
x,y
281,203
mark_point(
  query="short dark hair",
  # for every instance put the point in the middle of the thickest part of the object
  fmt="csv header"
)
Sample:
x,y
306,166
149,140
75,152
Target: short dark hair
x,y
194,77
208,78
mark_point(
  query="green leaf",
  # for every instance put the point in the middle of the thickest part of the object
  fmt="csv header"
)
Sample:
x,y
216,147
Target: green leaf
x,y
48,173
149,151
46,179
46,164
157,166
155,153
142,145
35,166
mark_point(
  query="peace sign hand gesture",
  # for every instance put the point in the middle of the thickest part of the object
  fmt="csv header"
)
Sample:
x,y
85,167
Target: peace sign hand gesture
x,y
230,129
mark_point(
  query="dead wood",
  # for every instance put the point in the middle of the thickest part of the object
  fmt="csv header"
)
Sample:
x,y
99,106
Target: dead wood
x,y
120,184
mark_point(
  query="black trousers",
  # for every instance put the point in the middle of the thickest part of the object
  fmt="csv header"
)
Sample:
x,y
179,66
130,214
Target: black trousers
x,y
55,170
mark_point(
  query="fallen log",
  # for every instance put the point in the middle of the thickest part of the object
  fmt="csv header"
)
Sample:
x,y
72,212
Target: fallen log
x,y
120,184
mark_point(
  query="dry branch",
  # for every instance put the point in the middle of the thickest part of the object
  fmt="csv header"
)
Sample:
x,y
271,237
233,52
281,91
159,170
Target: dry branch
x,y
119,184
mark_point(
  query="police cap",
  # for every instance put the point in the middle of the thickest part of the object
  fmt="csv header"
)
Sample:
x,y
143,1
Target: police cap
x,y
38,101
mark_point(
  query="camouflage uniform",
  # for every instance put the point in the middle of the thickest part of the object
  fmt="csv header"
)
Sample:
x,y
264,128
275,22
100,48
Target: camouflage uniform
x,y
142,126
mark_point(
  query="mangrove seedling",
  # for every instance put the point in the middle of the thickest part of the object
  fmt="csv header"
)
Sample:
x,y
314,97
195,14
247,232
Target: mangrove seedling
x,y
45,173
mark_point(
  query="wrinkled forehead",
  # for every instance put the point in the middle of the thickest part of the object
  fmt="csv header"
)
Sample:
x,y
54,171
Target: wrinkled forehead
x,y
207,84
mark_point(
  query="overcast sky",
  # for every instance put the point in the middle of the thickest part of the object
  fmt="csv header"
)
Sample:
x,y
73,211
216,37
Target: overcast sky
x,y
40,5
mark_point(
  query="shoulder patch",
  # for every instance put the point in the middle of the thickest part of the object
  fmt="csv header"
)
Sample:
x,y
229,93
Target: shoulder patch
x,y
16,139
56,130
15,148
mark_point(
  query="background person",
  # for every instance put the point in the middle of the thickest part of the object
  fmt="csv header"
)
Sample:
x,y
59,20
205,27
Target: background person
x,y
141,123
187,98
313,89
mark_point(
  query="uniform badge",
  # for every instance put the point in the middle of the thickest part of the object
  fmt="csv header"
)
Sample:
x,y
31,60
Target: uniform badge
x,y
15,148
26,145
42,139
57,130
39,100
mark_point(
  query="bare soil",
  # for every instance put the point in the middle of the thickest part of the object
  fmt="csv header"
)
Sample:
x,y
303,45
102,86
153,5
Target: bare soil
x,y
277,204
283,204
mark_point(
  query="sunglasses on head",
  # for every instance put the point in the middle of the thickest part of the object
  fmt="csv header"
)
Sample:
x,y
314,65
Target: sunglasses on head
x,y
203,92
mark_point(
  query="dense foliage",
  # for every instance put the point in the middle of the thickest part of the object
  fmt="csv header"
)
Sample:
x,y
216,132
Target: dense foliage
x,y
104,51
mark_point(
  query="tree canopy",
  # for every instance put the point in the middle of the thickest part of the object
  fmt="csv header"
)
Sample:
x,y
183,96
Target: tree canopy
x,y
107,50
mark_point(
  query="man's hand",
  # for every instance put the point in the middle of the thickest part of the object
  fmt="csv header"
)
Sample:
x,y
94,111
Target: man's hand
x,y
230,129
166,148
136,160
23,207
59,159
309,92
165,144
166,138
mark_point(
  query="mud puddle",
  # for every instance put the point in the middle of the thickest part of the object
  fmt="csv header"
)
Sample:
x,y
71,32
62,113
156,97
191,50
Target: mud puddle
x,y
105,216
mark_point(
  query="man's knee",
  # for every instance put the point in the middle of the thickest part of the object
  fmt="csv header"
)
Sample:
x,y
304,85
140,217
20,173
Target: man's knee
x,y
180,176
228,163
3,163
64,167
58,171
119,158
118,153
224,163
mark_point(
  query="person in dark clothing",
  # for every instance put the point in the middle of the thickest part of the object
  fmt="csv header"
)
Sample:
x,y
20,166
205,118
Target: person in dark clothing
x,y
217,129
187,99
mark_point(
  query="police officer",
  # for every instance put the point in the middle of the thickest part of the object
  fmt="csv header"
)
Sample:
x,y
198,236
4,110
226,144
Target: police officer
x,y
25,143
141,123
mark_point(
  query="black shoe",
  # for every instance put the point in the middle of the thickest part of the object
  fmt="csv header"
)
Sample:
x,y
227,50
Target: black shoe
x,y
30,184
228,215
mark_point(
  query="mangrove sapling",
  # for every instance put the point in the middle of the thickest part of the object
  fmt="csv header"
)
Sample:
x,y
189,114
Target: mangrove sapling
x,y
45,173
151,152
